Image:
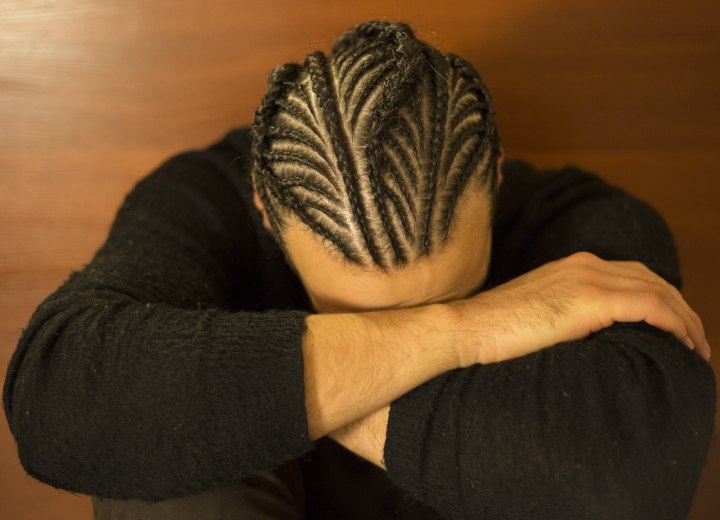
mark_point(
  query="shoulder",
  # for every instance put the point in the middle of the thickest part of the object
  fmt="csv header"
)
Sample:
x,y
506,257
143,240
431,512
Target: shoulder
x,y
547,214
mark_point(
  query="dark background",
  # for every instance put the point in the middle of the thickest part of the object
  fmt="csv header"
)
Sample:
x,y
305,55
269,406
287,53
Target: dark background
x,y
94,94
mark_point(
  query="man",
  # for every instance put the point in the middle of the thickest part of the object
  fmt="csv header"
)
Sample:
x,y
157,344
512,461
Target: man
x,y
183,368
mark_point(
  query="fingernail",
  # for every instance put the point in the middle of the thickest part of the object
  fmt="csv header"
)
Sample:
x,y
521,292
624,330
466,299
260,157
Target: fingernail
x,y
689,343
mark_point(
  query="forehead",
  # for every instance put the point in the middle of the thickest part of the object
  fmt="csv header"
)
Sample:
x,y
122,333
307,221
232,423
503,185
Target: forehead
x,y
452,272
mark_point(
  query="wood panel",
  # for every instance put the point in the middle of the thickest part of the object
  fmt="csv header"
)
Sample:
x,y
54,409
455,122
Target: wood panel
x,y
95,94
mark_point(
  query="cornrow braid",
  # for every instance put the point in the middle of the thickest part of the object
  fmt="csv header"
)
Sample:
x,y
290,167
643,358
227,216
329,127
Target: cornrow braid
x,y
395,87
401,174
338,241
277,84
377,79
369,32
317,67
471,140
471,75
372,147
439,93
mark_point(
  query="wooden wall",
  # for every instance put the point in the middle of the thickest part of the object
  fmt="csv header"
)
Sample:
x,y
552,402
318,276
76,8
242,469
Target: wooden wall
x,y
94,94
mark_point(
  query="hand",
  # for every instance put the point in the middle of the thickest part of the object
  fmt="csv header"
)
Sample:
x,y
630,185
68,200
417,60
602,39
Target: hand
x,y
566,300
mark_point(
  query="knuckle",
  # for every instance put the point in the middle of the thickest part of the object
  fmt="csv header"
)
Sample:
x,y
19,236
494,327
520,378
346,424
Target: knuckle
x,y
673,290
698,322
582,257
695,316
645,269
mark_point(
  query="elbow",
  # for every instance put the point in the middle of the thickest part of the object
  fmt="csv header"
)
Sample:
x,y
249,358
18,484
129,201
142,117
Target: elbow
x,y
627,440
652,458
658,484
42,415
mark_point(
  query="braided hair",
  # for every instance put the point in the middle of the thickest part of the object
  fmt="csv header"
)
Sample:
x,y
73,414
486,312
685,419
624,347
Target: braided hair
x,y
372,146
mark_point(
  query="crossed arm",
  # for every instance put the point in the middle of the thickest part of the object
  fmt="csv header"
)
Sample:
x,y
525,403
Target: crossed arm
x,y
148,338
613,425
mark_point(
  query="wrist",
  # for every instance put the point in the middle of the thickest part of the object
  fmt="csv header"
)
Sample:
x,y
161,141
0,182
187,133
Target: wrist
x,y
355,363
474,325
452,331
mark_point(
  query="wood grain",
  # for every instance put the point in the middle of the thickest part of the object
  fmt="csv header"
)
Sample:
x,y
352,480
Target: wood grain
x,y
93,95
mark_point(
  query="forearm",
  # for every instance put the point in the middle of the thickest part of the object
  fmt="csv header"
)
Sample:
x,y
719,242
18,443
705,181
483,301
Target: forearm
x,y
616,426
366,437
358,363
216,410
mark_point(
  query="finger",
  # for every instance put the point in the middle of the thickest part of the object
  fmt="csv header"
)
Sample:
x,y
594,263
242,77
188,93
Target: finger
x,y
633,280
653,310
657,302
645,273
643,289
640,300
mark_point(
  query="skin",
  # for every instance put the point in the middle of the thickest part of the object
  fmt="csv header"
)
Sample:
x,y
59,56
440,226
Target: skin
x,y
456,271
590,294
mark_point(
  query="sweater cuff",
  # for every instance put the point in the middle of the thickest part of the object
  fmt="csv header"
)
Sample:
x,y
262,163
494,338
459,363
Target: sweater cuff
x,y
279,413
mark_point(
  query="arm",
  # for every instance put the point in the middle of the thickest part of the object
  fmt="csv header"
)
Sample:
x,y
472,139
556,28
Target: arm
x,y
357,362
616,426
158,371
567,431
132,379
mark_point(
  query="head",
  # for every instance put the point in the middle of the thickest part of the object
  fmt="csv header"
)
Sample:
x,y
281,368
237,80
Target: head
x,y
376,170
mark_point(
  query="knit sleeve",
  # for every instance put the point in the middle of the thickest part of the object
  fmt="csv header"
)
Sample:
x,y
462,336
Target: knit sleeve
x,y
614,426
149,374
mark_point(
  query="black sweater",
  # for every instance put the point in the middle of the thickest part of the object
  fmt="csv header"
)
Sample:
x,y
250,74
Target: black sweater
x,y
172,363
